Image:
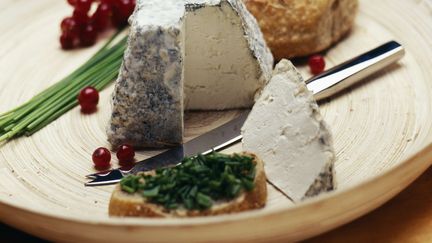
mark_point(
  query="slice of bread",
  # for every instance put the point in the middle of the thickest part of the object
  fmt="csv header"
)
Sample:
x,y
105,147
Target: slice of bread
x,y
125,204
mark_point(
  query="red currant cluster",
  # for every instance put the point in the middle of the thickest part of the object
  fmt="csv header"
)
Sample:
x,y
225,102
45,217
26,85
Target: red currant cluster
x,y
102,156
82,28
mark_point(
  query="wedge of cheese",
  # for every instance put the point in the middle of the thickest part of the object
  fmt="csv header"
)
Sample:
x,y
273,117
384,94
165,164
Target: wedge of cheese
x,y
185,54
287,131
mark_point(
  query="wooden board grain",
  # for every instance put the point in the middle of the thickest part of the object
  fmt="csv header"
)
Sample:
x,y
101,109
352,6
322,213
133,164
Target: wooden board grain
x,y
378,127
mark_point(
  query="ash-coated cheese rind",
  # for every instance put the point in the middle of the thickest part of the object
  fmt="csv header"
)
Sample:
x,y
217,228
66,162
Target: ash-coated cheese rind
x,y
287,131
185,55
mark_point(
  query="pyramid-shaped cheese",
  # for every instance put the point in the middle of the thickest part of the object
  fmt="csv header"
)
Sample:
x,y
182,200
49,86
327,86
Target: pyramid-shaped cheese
x,y
286,130
185,55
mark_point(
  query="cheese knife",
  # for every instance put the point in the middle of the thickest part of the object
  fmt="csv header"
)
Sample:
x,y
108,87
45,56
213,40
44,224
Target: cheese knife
x,y
322,86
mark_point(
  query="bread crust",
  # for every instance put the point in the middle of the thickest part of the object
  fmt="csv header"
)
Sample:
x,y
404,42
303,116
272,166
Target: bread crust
x,y
126,205
294,28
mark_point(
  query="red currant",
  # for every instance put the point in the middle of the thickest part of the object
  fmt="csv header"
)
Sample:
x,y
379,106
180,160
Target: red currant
x,y
67,41
83,29
80,17
316,64
123,9
126,7
101,157
72,2
88,99
88,35
101,17
109,2
70,26
125,153
83,5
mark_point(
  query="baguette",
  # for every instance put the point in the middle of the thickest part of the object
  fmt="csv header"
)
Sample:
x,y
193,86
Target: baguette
x,y
134,205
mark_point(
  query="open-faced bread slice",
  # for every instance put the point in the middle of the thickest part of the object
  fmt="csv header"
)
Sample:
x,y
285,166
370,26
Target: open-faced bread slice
x,y
126,204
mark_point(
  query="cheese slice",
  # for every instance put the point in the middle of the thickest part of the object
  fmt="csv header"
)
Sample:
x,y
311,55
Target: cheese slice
x,y
286,130
185,55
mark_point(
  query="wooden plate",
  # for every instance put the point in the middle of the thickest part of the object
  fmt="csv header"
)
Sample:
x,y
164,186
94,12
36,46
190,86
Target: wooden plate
x,y
382,131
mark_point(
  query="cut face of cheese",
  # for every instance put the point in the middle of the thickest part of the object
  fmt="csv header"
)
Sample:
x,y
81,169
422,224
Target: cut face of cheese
x,y
221,70
287,131
185,55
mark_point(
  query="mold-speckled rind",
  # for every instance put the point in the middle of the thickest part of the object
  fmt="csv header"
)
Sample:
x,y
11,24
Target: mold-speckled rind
x,y
324,183
147,100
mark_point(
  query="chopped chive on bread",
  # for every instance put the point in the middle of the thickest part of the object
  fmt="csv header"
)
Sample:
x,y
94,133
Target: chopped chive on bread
x,y
204,185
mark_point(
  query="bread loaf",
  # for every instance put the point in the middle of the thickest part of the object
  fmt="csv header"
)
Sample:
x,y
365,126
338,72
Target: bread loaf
x,y
295,28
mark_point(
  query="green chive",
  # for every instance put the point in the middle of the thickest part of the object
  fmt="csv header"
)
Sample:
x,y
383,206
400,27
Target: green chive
x,y
45,107
128,189
151,192
204,200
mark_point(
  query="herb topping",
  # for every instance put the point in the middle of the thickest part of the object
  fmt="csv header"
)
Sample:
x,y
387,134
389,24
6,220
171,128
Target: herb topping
x,y
196,183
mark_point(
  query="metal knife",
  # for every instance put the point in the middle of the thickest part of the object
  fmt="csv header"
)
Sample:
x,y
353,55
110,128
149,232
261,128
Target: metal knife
x,y
323,86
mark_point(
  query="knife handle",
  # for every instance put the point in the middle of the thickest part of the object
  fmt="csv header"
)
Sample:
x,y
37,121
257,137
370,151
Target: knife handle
x,y
354,70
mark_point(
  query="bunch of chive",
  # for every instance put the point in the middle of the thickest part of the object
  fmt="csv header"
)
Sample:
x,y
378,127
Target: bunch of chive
x,y
56,100
196,183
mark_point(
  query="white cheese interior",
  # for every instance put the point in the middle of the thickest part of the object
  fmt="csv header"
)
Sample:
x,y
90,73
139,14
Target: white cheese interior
x,y
287,132
220,71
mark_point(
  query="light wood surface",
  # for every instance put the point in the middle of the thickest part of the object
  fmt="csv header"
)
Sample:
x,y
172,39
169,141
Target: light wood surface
x,y
378,128
405,218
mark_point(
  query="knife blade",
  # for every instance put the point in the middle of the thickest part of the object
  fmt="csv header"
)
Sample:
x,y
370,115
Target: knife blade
x,y
323,86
